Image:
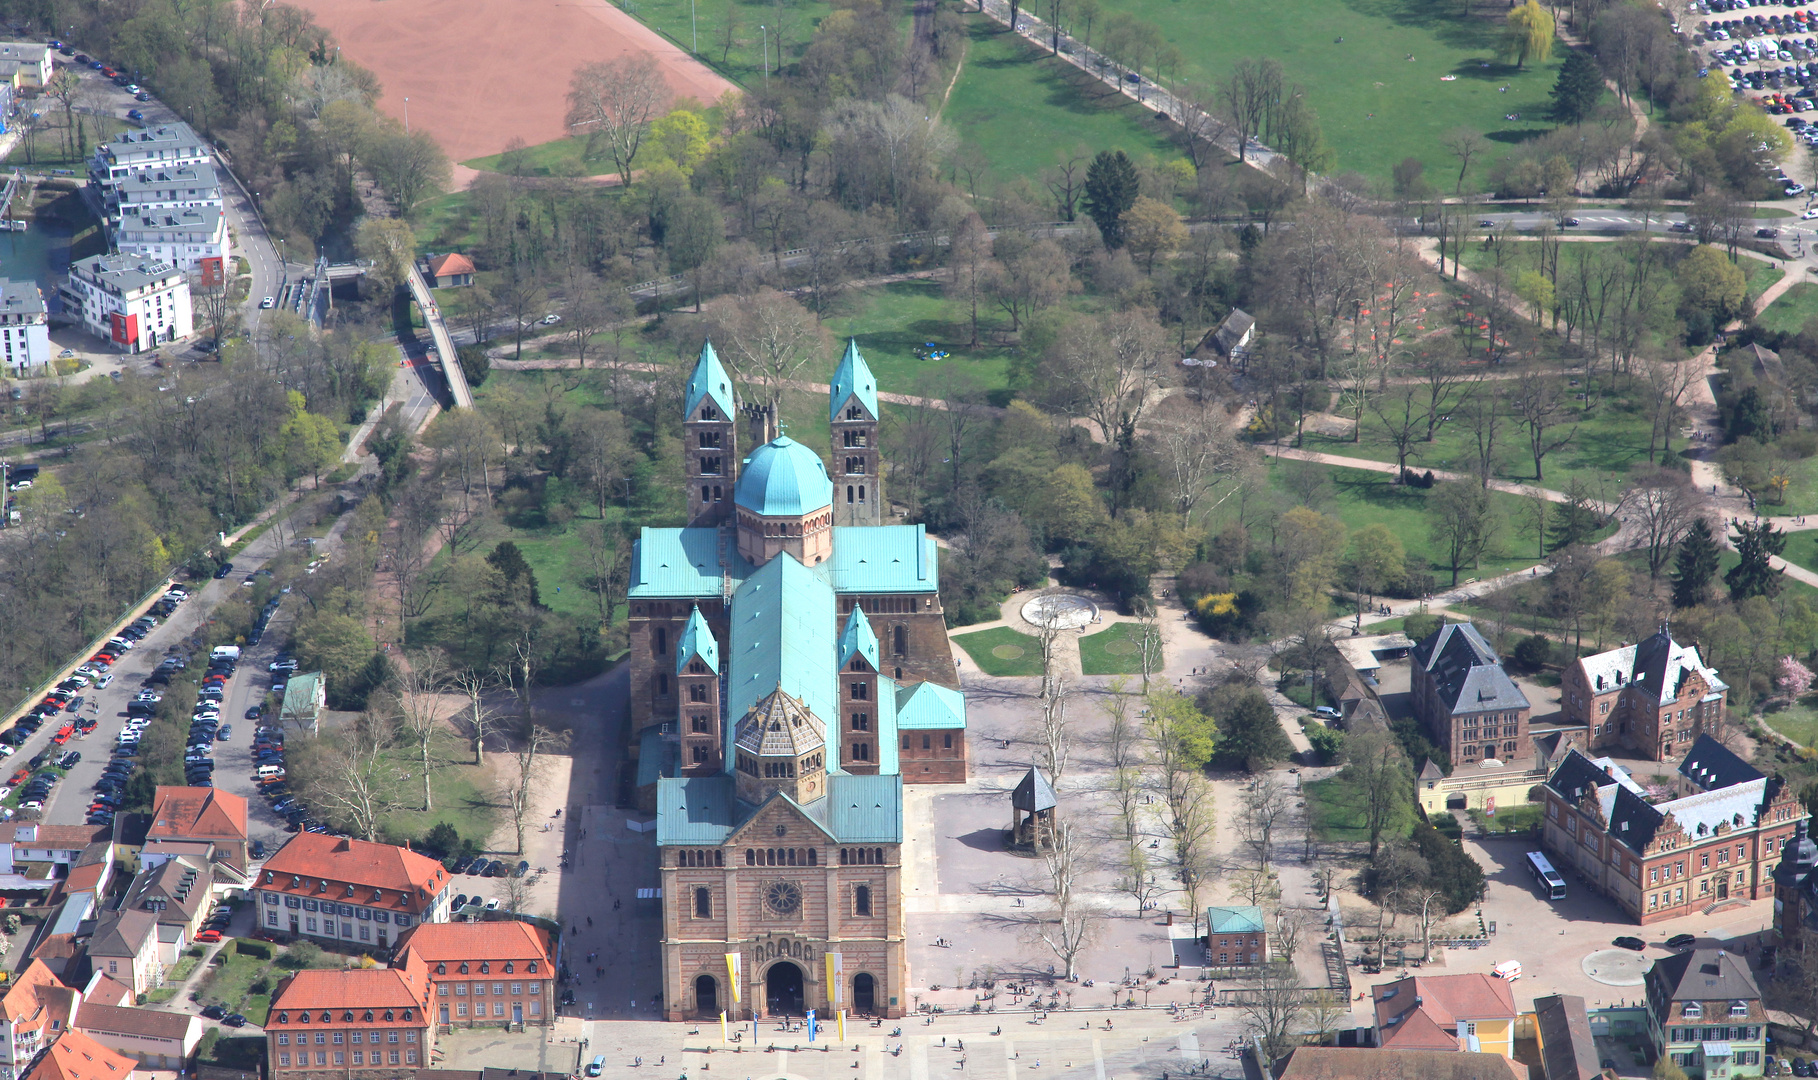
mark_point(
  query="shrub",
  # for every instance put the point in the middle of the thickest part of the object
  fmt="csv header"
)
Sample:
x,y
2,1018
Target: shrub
x,y
475,364
304,954
1420,627
1327,742
1533,652
1447,826
258,949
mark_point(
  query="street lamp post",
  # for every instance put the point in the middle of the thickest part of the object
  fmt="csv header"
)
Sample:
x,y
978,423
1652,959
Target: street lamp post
x,y
766,31
406,116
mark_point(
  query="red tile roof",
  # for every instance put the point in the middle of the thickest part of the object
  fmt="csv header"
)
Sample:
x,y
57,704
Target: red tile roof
x,y
356,996
75,1056
495,941
36,998
85,878
1335,1063
59,837
106,990
315,864
187,813
149,1023
1423,1011
450,264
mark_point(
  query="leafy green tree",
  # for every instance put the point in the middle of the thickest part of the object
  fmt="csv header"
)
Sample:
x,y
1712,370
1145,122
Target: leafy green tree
x,y
1249,733
1462,523
1111,190
1375,560
520,579
1577,90
1710,281
1753,576
1534,651
310,442
1695,565
341,648
1528,34
1449,869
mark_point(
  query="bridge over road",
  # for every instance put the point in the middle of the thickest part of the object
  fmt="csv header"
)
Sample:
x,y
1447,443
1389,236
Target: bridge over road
x,y
438,335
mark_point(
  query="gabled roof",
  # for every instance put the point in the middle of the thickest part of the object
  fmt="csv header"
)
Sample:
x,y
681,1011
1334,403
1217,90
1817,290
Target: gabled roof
x,y
857,639
1423,1011
1711,765
105,990
681,563
708,382
505,939
1566,1045
1358,1063
450,264
188,813
123,933
35,997
58,837
697,810
883,559
1032,793
1633,821
75,1056
781,638
924,705
697,640
176,890
1658,663
1704,975
146,1023
1231,331
1466,671
853,379
382,875
1242,919
336,992
783,478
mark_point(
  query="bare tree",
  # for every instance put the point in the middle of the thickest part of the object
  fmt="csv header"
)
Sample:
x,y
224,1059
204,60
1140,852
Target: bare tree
x,y
1465,144
1056,743
481,717
1667,385
1070,923
1401,420
421,684
1247,95
1664,503
1273,1008
613,103
772,338
1292,927
1138,878
1192,825
1197,453
356,783
1482,411
530,758
1123,752
1541,410
1265,806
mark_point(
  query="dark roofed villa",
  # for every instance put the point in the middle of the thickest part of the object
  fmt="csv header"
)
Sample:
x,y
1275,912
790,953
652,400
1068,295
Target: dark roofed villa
x,y
1465,700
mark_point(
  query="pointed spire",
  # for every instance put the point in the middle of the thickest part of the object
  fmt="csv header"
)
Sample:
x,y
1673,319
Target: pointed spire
x,y
697,640
852,380
709,382
858,638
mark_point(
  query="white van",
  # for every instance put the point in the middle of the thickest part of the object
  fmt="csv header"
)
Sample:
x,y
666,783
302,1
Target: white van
x,y
1508,970
266,771
226,652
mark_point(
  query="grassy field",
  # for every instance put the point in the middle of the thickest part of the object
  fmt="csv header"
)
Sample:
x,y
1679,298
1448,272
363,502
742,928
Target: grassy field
x,y
50,151
1508,819
1116,651
1791,309
789,27
1375,70
1798,722
1335,812
1360,498
892,321
1001,651
1762,278
1021,109
1612,437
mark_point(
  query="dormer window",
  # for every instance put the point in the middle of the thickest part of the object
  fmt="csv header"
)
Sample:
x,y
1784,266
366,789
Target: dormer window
x,y
347,1017
508,967
328,1017
368,1016
441,969
303,1018
1739,1008
463,967
486,967
295,881
388,1016
407,1014
1691,1010
348,894
283,1018
531,967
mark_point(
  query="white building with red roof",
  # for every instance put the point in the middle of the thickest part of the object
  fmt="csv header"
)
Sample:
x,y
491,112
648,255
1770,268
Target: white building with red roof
x,y
35,1010
351,893
485,973
75,1056
191,815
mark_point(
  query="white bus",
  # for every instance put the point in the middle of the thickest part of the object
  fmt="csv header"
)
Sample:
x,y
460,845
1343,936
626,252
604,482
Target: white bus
x,y
1552,886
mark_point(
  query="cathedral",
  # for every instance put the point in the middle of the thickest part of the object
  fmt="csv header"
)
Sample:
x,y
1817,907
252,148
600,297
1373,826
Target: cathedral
x,y
789,673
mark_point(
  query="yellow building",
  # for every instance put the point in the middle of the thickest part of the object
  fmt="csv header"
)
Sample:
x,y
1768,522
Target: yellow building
x,y
1473,1013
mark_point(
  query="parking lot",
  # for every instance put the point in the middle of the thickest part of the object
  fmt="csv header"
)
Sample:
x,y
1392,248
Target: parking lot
x,y
1769,55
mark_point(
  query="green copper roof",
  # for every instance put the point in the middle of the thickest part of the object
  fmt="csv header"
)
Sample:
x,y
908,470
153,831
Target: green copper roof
x,y
865,809
929,705
783,636
1242,919
883,559
681,563
709,381
697,640
858,638
783,478
852,380
696,810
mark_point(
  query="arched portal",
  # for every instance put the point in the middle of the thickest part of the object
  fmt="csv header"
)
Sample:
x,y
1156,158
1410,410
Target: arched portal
x,y
706,996
864,992
783,989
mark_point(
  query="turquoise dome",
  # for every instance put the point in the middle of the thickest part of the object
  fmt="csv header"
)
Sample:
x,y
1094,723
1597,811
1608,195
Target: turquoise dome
x,y
783,478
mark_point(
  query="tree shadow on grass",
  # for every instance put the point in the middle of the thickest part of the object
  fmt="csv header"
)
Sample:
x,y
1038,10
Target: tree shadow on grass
x,y
1454,24
1515,135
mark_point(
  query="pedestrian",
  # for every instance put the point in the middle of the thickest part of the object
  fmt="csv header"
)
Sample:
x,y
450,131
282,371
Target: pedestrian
x,y
590,922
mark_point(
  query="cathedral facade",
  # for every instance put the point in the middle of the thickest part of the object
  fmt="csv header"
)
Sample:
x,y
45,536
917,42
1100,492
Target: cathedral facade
x,y
790,672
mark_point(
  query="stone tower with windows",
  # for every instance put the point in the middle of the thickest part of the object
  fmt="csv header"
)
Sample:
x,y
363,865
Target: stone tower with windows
x,y
709,440
697,676
859,696
858,497
780,746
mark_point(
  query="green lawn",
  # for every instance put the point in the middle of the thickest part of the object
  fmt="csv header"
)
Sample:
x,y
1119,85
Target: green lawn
x,y
1612,436
1351,59
1801,548
1508,819
1335,812
894,320
560,157
1798,722
1001,651
1020,109
1791,309
1116,651
788,28
1362,498
50,152
1761,277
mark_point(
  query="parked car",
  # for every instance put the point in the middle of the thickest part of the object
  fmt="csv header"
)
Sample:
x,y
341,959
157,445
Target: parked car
x,y
1681,941
209,936
214,1012
1634,943
234,1020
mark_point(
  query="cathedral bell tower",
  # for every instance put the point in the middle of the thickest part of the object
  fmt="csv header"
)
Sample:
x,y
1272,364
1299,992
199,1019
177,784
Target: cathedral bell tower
x,y
709,440
697,677
852,413
859,693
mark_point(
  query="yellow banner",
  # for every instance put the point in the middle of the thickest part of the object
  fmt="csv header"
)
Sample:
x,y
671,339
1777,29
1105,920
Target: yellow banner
x,y
842,1025
836,970
725,1035
732,972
